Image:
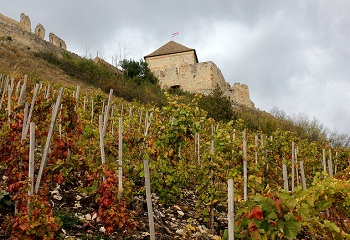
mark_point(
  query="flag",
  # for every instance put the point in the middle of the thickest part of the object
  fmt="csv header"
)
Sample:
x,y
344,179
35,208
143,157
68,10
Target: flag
x,y
174,34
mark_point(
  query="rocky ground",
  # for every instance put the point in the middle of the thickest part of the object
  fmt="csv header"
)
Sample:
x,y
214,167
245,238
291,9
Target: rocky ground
x,y
79,215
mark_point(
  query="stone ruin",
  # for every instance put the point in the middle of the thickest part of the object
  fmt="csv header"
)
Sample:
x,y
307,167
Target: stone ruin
x,y
25,23
177,66
22,32
40,31
56,41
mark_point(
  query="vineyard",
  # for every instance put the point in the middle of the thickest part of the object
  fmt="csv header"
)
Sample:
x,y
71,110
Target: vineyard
x,y
92,166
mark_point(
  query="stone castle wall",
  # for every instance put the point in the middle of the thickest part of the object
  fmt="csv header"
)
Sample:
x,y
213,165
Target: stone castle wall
x,y
170,61
25,23
203,77
21,32
192,77
40,31
181,70
239,94
56,41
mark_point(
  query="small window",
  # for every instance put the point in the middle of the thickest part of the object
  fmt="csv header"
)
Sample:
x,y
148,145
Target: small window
x,y
175,87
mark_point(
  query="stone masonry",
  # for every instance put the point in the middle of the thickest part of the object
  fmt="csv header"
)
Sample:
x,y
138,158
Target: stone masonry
x,y
25,23
56,41
40,31
21,33
177,66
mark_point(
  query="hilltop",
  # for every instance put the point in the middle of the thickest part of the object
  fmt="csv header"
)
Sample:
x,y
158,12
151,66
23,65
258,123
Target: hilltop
x,y
16,60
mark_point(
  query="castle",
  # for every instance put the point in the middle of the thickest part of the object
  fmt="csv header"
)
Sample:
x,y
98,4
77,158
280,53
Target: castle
x,y
22,32
177,66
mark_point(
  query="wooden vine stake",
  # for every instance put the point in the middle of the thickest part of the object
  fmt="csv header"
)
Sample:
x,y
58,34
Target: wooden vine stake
x,y
84,108
23,91
25,117
330,164
262,150
31,162
324,164
102,127
245,171
4,91
92,110
256,146
120,156
18,85
107,111
293,166
26,129
302,172
10,90
47,93
336,165
2,81
198,149
149,200
48,140
77,98
296,160
231,212
112,117
285,177
212,214
140,121
102,147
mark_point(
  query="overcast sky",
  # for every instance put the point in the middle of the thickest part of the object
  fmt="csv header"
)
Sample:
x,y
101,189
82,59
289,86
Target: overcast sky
x,y
293,54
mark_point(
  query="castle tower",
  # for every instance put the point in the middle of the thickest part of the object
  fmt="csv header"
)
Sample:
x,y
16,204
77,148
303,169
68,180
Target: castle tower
x,y
170,55
177,66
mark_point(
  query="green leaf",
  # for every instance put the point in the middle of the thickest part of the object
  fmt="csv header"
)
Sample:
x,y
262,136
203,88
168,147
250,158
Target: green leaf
x,y
331,226
304,211
272,215
291,226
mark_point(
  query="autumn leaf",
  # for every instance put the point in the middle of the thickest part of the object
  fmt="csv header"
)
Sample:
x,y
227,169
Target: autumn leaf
x,y
256,213
254,231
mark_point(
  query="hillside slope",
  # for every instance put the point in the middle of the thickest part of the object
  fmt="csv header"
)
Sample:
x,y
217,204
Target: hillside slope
x,y
17,60
190,157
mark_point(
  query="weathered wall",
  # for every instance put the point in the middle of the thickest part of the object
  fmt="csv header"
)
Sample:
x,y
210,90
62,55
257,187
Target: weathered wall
x,y
201,77
56,41
169,61
239,94
18,32
40,31
25,23
8,21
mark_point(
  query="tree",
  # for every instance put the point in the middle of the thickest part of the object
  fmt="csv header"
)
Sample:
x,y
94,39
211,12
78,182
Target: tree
x,y
138,71
218,106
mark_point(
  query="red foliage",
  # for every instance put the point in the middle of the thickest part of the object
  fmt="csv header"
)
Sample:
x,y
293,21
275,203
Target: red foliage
x,y
256,213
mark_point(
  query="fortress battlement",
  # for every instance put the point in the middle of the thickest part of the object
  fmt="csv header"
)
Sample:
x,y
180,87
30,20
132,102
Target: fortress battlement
x,y
21,32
